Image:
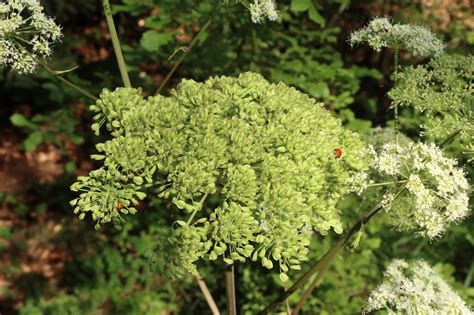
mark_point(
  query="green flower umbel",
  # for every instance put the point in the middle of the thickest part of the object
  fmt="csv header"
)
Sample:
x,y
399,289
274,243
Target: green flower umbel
x,y
273,160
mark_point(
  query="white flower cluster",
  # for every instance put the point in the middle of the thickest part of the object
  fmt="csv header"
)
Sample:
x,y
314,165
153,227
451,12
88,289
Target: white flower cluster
x,y
360,182
26,34
260,9
436,187
415,288
380,32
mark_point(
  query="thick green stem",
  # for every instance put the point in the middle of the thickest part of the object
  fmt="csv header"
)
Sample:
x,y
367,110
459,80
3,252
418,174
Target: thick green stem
x,y
395,63
207,294
69,83
186,51
230,290
116,43
322,263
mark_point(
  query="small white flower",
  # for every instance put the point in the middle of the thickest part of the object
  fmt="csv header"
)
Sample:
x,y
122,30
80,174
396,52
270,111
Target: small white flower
x,y
436,187
386,201
415,288
359,182
26,35
260,9
380,32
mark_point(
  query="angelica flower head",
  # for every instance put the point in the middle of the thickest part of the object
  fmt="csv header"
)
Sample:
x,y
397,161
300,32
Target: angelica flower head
x,y
380,32
260,9
26,35
415,288
436,189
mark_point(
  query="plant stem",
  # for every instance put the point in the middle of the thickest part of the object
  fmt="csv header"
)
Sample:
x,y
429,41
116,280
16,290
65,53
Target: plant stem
x,y
191,217
288,308
207,294
308,292
334,251
322,263
395,62
116,43
69,83
230,290
450,139
387,183
186,51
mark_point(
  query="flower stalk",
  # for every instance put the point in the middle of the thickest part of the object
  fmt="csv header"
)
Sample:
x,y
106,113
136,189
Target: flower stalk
x,y
230,290
207,294
116,43
397,122
57,74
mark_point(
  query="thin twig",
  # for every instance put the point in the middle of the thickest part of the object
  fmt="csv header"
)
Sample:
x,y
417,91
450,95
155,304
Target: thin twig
x,y
57,75
395,62
116,43
230,290
313,285
287,304
450,139
186,51
207,294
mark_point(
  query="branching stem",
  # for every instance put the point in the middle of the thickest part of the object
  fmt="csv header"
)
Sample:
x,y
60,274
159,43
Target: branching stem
x,y
116,43
57,75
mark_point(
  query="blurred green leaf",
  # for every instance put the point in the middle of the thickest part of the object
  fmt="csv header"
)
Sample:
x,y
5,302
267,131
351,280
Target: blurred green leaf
x,y
152,40
33,141
21,121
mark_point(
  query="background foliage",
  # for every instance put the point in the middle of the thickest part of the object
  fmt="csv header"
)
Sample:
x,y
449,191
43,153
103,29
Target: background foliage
x,y
52,263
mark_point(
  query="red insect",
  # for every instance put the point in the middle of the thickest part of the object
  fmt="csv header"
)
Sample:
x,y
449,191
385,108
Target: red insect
x,y
337,152
119,205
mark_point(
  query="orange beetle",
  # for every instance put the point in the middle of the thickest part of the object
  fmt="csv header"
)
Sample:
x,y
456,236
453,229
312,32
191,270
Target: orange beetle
x,y
337,152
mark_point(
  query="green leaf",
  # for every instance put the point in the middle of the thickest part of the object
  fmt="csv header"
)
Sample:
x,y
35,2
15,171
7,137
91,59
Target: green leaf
x,y
152,41
316,17
299,5
33,141
21,121
76,139
308,5
158,21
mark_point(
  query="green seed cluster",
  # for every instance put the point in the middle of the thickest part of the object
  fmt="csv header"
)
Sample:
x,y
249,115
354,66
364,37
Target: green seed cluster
x,y
265,151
